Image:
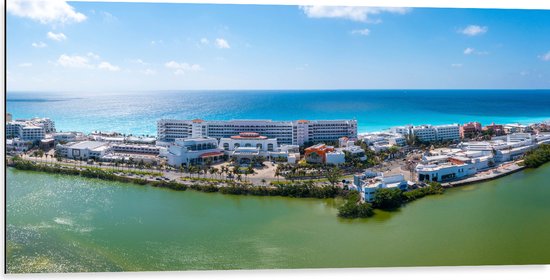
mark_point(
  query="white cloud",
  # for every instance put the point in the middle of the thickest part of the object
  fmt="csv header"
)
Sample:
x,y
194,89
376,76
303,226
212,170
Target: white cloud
x,y
181,68
39,45
149,72
456,65
74,61
469,51
92,55
108,17
222,43
179,72
363,32
139,61
157,42
108,66
545,57
204,41
25,64
474,30
360,14
53,11
77,61
57,36
302,67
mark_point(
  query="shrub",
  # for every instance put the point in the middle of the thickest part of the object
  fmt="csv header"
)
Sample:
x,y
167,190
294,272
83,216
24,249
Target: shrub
x,y
538,156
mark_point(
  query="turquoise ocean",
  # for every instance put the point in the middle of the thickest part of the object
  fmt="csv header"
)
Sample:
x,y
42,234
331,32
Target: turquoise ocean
x,y
375,110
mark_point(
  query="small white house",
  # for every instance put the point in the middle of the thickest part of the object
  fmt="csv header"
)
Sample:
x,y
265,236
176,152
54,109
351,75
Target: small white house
x,y
335,157
367,187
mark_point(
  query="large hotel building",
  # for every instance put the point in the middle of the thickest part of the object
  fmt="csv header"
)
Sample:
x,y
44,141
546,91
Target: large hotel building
x,y
286,132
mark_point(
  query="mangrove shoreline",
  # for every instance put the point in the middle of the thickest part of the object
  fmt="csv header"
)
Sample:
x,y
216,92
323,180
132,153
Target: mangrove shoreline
x,y
385,199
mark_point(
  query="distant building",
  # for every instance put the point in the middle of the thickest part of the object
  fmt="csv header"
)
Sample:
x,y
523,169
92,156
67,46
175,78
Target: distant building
x,y
140,140
83,150
337,157
354,152
403,130
470,130
249,140
451,169
249,145
46,144
194,151
429,133
136,148
24,130
46,123
68,136
516,128
17,145
367,185
297,132
317,153
8,117
397,140
29,130
496,129
346,141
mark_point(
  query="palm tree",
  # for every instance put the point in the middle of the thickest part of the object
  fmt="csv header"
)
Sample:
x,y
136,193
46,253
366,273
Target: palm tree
x,y
194,170
222,171
393,150
277,173
181,169
130,162
214,171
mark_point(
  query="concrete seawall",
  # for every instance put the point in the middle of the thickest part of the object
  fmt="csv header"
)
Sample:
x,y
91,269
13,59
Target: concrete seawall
x,y
483,178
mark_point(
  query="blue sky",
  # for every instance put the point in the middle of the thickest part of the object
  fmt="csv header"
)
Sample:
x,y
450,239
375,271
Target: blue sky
x,y
144,46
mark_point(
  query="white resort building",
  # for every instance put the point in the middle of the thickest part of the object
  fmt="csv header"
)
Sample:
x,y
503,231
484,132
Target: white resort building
x,y
472,157
194,151
245,146
83,150
67,136
136,148
367,185
348,146
46,123
430,133
25,130
286,132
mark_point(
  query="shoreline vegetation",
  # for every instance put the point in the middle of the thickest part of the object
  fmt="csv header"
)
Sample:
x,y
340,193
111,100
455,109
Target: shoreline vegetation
x,y
303,189
385,199
538,156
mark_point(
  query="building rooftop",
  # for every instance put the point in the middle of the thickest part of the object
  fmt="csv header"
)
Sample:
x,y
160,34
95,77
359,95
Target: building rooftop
x,y
87,145
249,135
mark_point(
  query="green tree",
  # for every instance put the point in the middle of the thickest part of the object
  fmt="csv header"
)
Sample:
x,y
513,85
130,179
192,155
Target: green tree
x,y
354,208
385,198
393,150
333,175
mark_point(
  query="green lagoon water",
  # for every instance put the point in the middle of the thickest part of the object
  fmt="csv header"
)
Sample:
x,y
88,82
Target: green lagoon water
x,y
66,223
